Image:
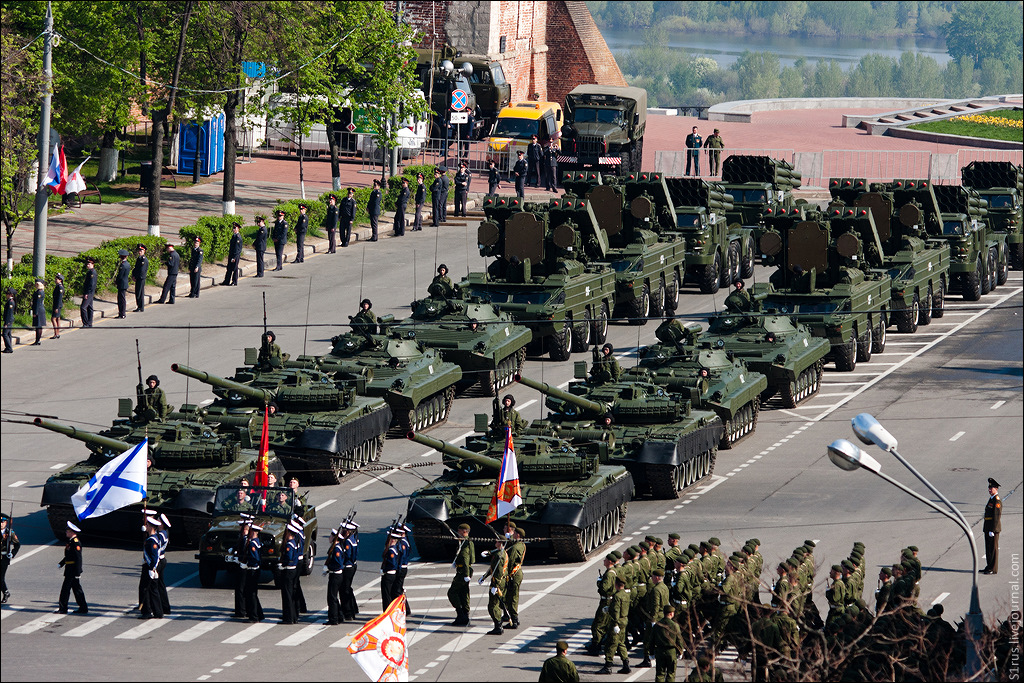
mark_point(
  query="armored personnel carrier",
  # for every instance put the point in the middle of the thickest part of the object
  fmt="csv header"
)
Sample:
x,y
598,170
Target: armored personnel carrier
x,y
189,461
486,343
1001,184
666,444
321,430
829,280
572,503
548,271
271,508
414,379
711,377
759,185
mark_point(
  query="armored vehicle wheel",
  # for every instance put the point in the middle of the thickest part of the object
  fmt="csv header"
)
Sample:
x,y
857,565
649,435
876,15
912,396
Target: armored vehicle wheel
x,y
747,262
560,345
308,560
207,574
599,329
709,279
878,342
725,271
1017,255
939,302
657,305
672,294
846,355
1003,270
864,344
581,332
906,320
970,283
993,269
508,367
640,307
925,315
734,262
986,275
742,424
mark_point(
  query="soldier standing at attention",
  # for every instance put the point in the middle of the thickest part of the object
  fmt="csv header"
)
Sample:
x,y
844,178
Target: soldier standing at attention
x,y
493,177
195,268
8,322
251,566
88,292
418,201
171,281
618,616
605,368
239,560
605,590
259,243
280,236
349,559
348,214
534,156
499,580
331,223
714,145
288,575
516,555
334,567
550,165
519,171
9,547
445,184
462,179
301,226
234,256
883,593
991,527
389,566
405,552
122,276
57,305
72,565
559,669
436,199
693,146
654,604
458,592
507,416
373,209
139,273
39,310
836,596
400,204
151,605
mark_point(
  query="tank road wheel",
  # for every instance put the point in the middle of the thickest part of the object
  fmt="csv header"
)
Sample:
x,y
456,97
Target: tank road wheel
x,y
662,480
581,332
864,344
906,323
987,271
846,355
207,574
560,345
970,283
939,302
672,294
657,305
789,393
925,316
747,262
599,328
878,343
489,381
709,279
567,543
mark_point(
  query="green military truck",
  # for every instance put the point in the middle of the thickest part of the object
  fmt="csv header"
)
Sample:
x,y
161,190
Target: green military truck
x,y
759,185
829,280
439,78
716,253
550,271
604,129
917,266
1001,184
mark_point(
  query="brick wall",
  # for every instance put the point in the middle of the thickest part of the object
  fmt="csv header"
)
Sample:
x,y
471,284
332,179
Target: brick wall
x,y
427,17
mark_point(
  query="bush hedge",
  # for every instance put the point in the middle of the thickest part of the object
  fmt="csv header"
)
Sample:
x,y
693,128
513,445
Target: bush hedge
x,y
215,231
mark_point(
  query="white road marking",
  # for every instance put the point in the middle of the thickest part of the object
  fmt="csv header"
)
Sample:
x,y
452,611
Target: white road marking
x,y
202,628
36,624
579,640
956,436
145,628
521,639
245,635
59,466
305,633
463,640
17,484
30,553
997,405
93,625
11,609
942,596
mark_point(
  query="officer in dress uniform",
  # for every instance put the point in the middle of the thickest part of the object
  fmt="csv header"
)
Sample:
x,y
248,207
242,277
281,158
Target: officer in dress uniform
x,y
251,566
462,180
279,235
195,268
405,548
287,575
419,199
39,310
493,177
331,223
234,256
400,204
57,305
458,592
389,566
300,538
9,547
991,527
88,293
151,607
519,174
301,226
139,273
170,287
436,200
165,541
122,277
373,209
334,567
347,214
349,560
259,243
238,560
72,566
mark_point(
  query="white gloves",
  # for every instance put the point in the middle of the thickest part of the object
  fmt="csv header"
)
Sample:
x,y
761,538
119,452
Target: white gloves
x,y
616,629
480,582
467,579
494,591
154,574
991,534
485,553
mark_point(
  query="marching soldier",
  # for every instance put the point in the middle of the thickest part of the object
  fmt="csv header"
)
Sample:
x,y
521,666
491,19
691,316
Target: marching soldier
x,y
389,566
349,561
667,644
836,596
238,560
9,547
653,610
992,527
251,567
72,566
151,606
559,669
458,592
499,579
883,594
516,555
618,616
288,574
334,567
705,671
605,590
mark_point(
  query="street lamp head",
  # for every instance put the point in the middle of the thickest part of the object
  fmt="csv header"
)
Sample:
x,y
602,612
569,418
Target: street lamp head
x,y
848,456
870,431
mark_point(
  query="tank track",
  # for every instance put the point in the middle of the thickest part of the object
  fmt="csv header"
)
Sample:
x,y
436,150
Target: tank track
x,y
667,481
572,544
494,380
430,412
326,470
741,425
806,385
59,516
430,537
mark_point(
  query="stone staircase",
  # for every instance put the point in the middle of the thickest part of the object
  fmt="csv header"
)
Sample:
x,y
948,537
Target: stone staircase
x,y
880,124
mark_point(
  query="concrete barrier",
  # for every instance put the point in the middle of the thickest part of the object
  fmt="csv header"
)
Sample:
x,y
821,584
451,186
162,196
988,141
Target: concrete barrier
x,y
741,110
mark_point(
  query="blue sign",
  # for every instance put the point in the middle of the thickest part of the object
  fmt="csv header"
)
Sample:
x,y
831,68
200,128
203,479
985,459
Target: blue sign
x,y
459,100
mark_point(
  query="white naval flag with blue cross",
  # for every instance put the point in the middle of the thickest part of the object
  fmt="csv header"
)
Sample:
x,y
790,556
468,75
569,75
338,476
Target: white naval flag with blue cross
x,y
119,483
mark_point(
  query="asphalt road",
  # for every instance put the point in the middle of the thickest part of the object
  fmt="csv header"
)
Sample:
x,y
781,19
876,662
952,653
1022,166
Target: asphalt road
x,y
951,393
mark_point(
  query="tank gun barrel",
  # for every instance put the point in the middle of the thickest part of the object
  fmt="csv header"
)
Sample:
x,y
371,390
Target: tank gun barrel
x,y
545,388
455,451
249,392
83,435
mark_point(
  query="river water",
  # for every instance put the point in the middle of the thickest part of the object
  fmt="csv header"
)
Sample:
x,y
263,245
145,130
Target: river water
x,y
725,49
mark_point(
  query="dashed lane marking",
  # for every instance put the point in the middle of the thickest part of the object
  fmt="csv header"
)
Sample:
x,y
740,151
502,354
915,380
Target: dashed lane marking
x,y
202,628
997,405
17,484
36,624
11,609
940,598
956,436
59,466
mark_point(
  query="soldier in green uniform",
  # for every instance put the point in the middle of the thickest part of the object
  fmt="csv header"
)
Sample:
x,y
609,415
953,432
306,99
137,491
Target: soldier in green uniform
x,y
441,286
618,615
458,592
516,555
270,355
655,555
776,637
782,591
365,321
666,641
705,671
850,580
739,300
883,594
755,565
153,402
506,415
652,609
499,577
559,669
605,367
605,589
836,596
731,600
714,145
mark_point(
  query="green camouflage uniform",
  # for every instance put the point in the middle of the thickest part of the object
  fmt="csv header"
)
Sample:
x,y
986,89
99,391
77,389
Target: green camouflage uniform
x,y
618,614
458,593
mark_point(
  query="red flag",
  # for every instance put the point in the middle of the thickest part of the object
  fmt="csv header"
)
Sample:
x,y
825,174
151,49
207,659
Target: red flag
x,y
57,174
507,493
262,477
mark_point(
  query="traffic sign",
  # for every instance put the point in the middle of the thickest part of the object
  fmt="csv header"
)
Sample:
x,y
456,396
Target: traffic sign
x,y
459,117
459,100
351,127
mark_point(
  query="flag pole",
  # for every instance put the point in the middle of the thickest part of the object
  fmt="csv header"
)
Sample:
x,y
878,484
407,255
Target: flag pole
x,y
39,238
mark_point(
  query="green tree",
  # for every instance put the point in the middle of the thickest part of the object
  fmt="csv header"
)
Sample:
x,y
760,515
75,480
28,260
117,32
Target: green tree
x,y
958,79
791,82
917,76
985,30
829,80
758,74
872,77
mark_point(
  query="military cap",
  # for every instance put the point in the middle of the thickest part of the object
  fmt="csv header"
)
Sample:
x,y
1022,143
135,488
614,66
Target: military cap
x,y
754,541
561,645
694,547
936,610
808,549
658,572
442,267
799,552
738,282
714,541
40,281
398,534
463,527
122,252
848,565
165,521
611,557
907,566
519,152
245,521
993,483
280,212
644,546
332,196
912,548
609,348
74,528
809,543
91,259
153,378
837,568
618,579
298,520
10,291
887,571
236,224
255,527
748,549
668,609
688,554
907,552
856,557
858,544
674,536
508,397
649,538
153,521
58,276
617,554
352,526
704,546
658,541
635,549
303,206
792,563
336,532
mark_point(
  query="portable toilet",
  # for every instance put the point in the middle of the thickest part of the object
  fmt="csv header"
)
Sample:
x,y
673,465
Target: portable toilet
x,y
209,137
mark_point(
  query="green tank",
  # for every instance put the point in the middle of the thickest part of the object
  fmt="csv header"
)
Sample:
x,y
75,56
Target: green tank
x,y
666,444
828,279
548,273
189,461
271,508
486,343
414,379
320,430
712,377
572,504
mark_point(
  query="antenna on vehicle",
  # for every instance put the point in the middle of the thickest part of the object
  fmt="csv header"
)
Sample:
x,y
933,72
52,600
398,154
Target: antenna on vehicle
x,y
305,329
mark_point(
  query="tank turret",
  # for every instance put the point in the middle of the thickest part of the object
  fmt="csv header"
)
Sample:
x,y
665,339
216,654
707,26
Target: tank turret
x,y
594,409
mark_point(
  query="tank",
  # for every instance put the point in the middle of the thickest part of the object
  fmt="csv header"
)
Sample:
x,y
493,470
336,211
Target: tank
x,y
189,461
572,503
665,444
548,272
272,509
713,378
321,430
414,379
490,355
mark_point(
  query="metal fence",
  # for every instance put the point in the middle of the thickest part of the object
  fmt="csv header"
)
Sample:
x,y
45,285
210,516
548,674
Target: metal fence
x,y
673,162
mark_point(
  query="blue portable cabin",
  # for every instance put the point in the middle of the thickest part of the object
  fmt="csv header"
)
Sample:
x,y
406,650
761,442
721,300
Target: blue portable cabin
x,y
209,136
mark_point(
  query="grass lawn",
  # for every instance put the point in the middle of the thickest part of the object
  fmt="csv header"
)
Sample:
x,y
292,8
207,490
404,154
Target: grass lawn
x,y
979,129
125,186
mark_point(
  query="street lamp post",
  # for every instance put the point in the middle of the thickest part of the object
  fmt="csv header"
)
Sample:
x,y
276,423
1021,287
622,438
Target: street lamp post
x,y
848,456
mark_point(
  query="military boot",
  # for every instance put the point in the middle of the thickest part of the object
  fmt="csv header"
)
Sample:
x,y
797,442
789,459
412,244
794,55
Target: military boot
x,y
646,664
607,669
496,631
625,667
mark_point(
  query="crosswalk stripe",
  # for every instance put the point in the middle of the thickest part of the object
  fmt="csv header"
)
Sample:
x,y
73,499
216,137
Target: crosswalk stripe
x,y
202,628
36,624
93,625
305,633
579,640
526,636
11,609
245,635
426,628
145,628
464,640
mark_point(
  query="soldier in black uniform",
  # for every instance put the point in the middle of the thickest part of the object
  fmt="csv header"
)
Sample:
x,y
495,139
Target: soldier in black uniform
x,y
991,527
534,157
234,256
549,164
301,225
88,292
418,201
493,177
139,273
350,563
9,547
122,276
331,223
348,214
171,283
259,243
400,203
436,200
39,310
280,236
373,209
72,566
57,305
445,184
519,173
462,180
8,329
195,268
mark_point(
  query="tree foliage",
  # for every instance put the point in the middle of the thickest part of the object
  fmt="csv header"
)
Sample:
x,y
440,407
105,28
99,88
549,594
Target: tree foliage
x,y
985,30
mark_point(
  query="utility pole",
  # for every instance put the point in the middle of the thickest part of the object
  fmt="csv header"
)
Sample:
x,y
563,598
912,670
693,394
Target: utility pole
x,y
393,156
39,241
